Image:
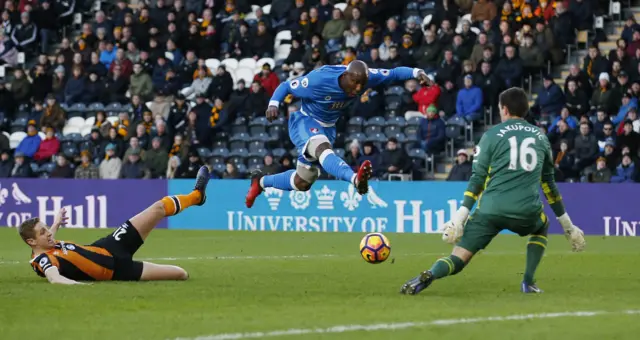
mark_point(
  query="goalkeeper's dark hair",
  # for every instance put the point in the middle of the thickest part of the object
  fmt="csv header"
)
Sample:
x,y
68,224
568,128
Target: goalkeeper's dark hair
x,y
516,101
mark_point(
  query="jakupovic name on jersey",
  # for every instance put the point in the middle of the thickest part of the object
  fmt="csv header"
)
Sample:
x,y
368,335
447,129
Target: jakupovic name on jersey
x,y
520,127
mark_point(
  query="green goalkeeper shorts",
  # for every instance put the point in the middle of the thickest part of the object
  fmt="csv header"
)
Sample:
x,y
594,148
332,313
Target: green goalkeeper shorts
x,y
482,228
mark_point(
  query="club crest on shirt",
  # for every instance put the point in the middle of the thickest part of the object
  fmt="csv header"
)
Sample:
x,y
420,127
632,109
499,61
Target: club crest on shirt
x,y
305,82
384,72
314,130
373,70
294,84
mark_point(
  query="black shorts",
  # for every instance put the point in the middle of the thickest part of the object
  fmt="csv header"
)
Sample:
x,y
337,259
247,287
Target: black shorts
x,y
123,243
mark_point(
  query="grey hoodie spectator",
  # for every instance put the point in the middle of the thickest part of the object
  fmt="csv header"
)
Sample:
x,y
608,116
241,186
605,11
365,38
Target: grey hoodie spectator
x,y
156,159
461,171
586,147
21,168
111,166
134,167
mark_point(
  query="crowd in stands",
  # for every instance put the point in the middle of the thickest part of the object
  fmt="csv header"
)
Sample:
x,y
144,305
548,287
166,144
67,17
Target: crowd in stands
x,y
150,89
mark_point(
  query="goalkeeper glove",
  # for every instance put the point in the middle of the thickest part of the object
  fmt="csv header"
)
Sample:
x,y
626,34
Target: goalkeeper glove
x,y
574,235
453,229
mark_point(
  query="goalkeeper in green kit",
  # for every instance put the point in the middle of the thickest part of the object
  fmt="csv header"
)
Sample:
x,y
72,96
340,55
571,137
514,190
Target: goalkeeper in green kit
x,y
511,161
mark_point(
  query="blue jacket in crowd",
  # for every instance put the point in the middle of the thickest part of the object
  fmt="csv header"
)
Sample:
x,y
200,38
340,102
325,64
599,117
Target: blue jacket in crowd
x,y
550,100
571,121
624,175
73,90
622,113
106,57
469,101
29,145
159,75
432,134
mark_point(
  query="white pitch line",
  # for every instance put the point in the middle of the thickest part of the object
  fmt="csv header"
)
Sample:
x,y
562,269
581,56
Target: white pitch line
x,y
405,325
291,257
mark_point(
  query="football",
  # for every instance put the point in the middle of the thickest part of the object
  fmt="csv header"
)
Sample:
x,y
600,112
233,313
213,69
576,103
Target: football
x,y
375,248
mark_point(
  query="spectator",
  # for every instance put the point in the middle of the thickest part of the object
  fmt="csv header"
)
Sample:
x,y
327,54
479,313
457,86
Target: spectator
x,y
562,133
581,79
352,37
286,163
532,57
4,142
116,86
459,49
447,100
141,84
595,65
41,83
628,103
86,169
256,102
625,172
231,172
262,42
598,126
602,173
179,148
188,67
449,69
189,169
222,84
111,166
31,143
461,171
267,79
333,30
565,116
632,115
21,168
629,138
6,164
20,87
489,84
477,53
429,52
24,35
509,69
565,162
370,153
428,95
353,154
75,87
483,10
269,167
634,44
113,137
201,83
178,114
63,169
171,84
49,146
296,54
608,136
158,78
394,160
175,52
161,132
610,155
172,167
108,55
550,98
134,146
134,167
563,27
576,99
469,101
586,148
156,159
603,96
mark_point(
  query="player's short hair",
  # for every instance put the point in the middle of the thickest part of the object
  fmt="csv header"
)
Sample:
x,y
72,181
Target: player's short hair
x,y
515,100
27,228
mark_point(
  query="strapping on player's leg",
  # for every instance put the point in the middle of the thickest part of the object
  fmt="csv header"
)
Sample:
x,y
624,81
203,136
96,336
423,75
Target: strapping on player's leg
x,y
175,204
282,181
446,266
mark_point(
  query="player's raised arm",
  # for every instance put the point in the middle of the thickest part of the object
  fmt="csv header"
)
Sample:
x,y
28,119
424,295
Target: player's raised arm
x,y
547,179
388,76
60,220
299,88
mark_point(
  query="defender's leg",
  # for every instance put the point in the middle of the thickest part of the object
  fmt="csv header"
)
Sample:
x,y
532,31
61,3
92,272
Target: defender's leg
x,y
157,272
478,233
145,221
535,250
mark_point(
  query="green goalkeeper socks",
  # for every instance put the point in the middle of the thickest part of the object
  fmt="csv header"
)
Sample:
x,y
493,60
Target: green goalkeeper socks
x,y
450,265
535,249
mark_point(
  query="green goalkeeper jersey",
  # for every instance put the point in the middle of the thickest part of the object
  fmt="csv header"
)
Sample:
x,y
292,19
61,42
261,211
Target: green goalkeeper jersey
x,y
511,162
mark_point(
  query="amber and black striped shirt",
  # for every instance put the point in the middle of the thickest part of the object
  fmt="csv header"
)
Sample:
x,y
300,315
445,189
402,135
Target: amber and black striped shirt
x,y
76,262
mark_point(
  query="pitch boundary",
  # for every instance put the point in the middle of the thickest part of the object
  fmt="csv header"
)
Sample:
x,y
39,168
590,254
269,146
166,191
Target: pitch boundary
x,y
406,325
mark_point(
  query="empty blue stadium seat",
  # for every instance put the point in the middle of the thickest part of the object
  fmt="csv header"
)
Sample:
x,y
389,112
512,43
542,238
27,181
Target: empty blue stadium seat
x,y
379,121
279,152
258,125
262,136
221,135
377,138
372,129
20,122
340,152
392,130
361,137
240,152
256,145
276,130
397,121
395,90
239,126
204,153
255,167
47,167
219,144
70,152
457,121
220,152
219,168
114,107
95,107
241,168
78,107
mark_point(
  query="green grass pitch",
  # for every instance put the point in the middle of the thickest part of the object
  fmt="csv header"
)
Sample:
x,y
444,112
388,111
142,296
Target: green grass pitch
x,y
261,282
